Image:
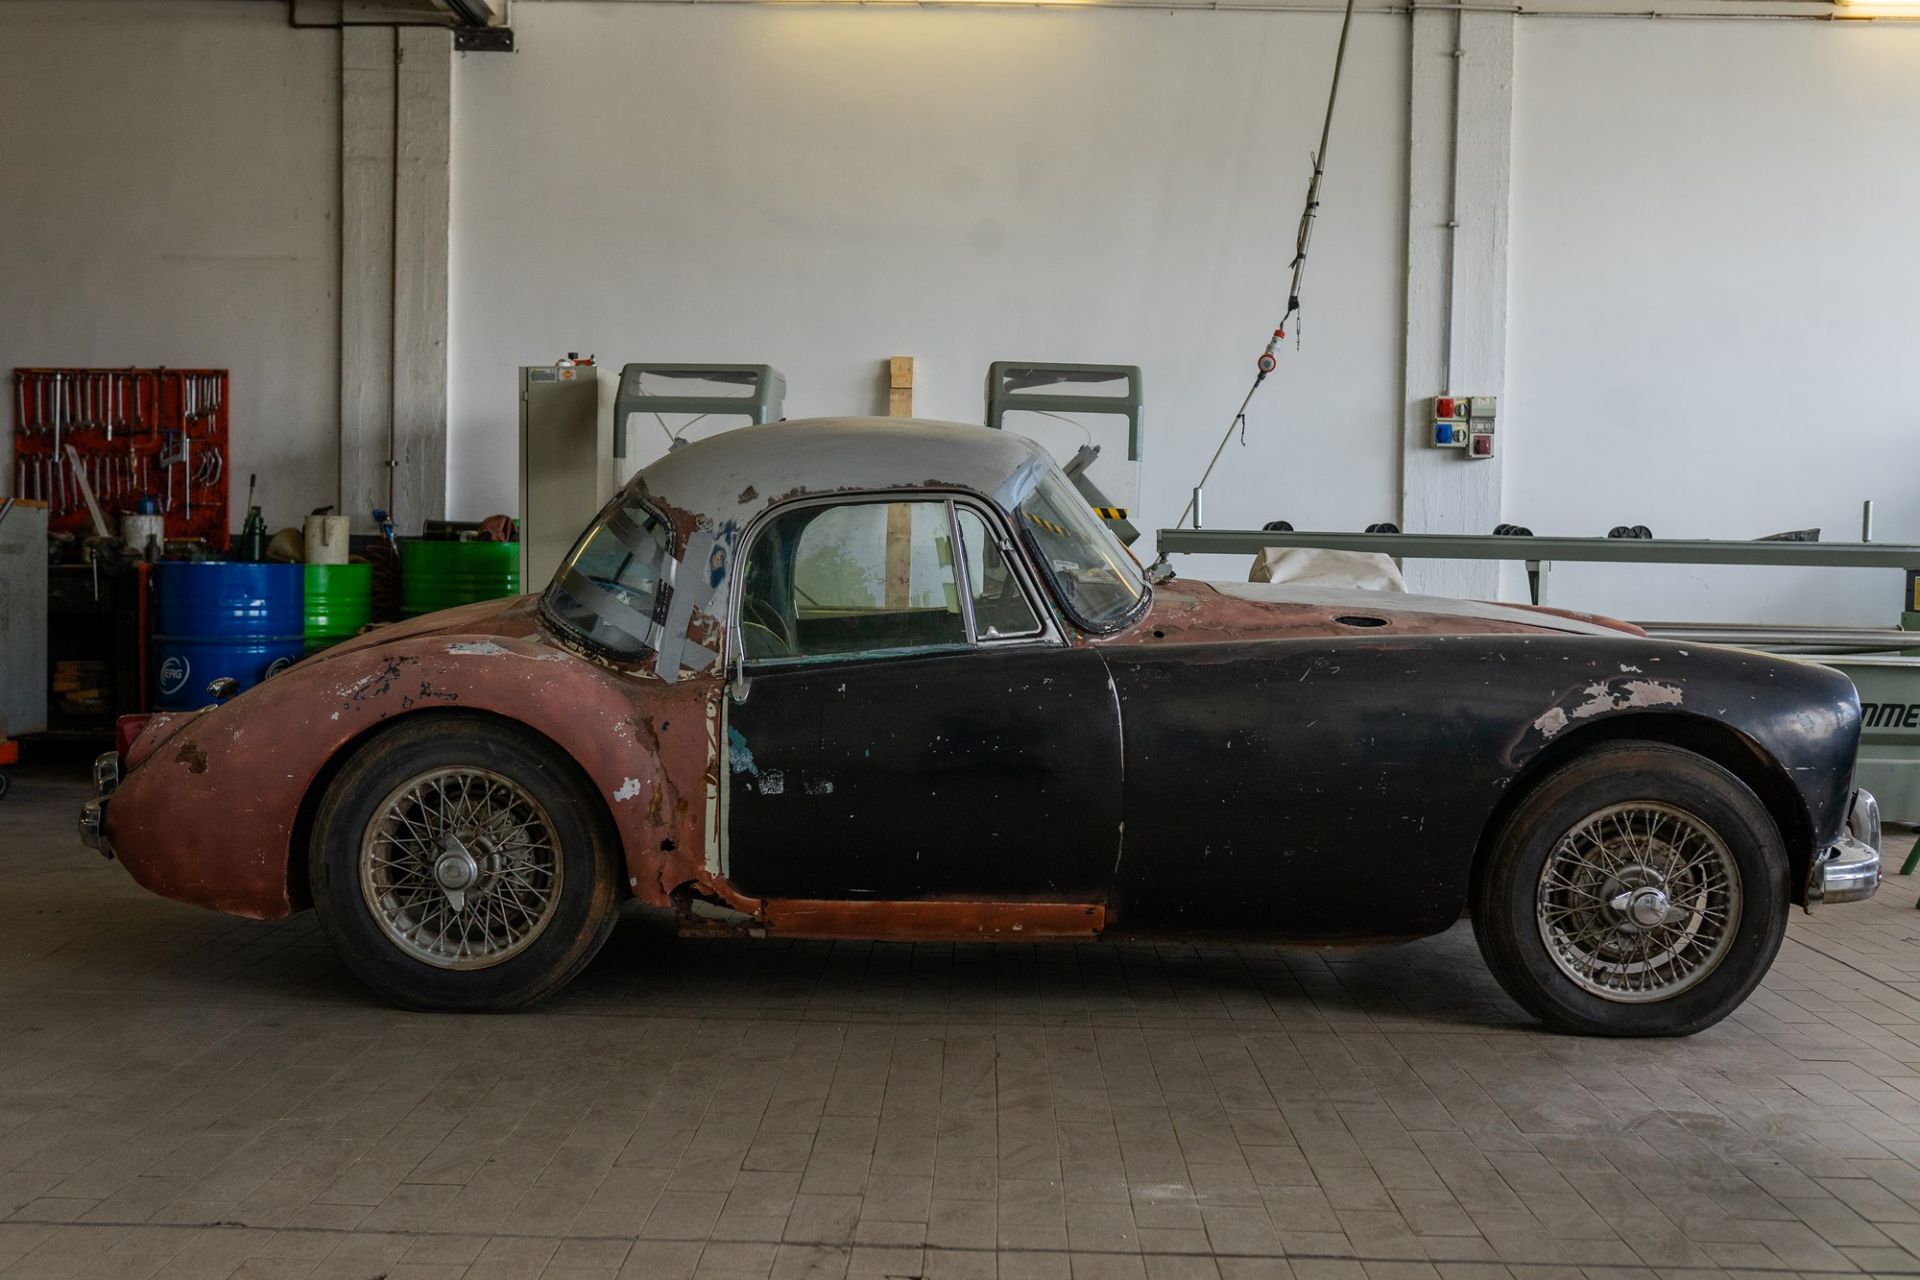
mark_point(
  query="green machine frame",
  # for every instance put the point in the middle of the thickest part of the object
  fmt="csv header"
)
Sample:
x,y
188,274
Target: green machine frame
x,y
1012,385
763,403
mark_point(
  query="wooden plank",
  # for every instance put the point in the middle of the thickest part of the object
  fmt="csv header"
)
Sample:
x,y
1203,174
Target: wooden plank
x,y
900,387
899,583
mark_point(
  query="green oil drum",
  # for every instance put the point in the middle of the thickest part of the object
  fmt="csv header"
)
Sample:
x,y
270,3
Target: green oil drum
x,y
438,575
339,602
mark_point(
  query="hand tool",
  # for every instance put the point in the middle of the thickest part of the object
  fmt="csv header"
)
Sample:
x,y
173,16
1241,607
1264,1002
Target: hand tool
x,y
54,463
86,492
169,454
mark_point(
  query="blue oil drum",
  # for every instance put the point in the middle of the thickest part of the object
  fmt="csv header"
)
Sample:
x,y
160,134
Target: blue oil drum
x,y
216,619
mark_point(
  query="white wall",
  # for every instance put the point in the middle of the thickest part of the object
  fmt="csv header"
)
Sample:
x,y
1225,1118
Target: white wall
x,y
1713,324
819,189
168,195
1712,274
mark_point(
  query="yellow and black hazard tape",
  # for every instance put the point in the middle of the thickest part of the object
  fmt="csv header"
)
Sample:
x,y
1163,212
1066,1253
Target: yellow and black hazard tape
x,y
1048,525
1111,513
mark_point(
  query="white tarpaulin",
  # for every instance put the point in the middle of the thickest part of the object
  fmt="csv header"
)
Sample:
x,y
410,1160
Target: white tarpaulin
x,y
1314,566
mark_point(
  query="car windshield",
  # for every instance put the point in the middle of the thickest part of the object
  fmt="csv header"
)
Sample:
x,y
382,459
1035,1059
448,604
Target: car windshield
x,y
1098,580
612,590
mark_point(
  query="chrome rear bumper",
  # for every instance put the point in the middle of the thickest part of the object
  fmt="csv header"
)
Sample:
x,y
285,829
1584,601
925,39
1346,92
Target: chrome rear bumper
x,y
1850,870
93,814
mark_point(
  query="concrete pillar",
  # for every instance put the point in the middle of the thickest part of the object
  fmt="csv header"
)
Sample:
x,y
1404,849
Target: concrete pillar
x,y
395,114
1459,162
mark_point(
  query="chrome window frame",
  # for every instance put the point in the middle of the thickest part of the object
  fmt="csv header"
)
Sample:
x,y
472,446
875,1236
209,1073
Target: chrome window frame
x,y
1050,632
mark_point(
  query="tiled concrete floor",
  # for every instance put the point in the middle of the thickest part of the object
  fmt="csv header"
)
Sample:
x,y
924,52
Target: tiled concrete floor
x,y
187,1095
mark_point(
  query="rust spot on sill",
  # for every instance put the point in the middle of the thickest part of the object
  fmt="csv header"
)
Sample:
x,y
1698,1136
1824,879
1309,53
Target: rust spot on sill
x,y
940,920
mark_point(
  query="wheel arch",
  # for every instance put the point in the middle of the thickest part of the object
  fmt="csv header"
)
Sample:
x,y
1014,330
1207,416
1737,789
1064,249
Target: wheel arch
x,y
300,835
1714,740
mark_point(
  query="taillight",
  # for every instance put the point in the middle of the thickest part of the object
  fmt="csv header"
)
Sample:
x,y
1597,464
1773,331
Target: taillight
x,y
125,730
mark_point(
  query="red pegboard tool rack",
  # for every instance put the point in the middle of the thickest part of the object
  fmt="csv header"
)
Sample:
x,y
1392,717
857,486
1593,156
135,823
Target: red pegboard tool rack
x,y
135,432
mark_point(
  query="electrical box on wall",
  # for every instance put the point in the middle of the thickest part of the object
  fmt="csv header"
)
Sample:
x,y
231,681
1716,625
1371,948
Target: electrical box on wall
x,y
1464,423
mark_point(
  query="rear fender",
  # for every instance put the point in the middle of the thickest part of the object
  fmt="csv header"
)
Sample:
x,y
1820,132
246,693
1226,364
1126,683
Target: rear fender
x,y
210,815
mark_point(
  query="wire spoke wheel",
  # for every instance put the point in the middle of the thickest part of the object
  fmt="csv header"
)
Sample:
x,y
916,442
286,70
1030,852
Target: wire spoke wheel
x,y
1638,902
460,868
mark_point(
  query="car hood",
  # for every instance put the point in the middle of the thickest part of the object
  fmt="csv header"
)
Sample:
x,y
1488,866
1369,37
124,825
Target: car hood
x,y
514,617
1194,611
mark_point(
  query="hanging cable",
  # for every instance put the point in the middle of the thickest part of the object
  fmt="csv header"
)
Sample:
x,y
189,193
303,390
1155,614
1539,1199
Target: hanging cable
x,y
1268,360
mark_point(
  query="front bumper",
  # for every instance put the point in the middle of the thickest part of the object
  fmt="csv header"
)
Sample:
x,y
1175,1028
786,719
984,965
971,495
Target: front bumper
x,y
1850,870
93,814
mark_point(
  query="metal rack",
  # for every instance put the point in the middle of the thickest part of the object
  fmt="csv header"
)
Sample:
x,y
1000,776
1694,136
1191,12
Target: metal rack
x,y
762,401
128,433
1539,553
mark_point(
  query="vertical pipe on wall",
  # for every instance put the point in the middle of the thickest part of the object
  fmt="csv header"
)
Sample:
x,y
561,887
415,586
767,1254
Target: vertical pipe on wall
x,y
367,93
395,105
423,106
1459,159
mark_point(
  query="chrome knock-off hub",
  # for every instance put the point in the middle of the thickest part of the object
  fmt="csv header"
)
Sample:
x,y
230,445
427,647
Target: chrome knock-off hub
x,y
1645,907
455,870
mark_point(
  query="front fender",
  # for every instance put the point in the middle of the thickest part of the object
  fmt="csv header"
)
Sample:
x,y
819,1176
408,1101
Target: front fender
x,y
1799,721
208,816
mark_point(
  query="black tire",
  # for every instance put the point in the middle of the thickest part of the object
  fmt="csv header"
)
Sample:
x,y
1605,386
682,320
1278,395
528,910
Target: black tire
x,y
582,909
1507,891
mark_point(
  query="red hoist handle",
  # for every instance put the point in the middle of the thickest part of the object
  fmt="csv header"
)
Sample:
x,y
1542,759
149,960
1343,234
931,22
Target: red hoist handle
x,y
1267,363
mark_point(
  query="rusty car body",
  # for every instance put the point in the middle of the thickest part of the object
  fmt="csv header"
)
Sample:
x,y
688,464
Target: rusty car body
x,y
997,728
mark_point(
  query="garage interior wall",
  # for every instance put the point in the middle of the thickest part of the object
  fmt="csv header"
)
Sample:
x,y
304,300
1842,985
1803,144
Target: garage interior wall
x,y
1713,329
169,195
1709,323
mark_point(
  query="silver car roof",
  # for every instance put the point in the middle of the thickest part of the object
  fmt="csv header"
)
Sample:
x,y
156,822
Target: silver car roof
x,y
731,477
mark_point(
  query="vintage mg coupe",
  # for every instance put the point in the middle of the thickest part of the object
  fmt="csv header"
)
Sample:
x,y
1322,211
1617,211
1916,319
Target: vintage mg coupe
x,y
895,680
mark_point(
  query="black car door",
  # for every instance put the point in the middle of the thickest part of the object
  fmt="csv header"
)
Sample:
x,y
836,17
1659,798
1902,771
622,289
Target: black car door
x,y
891,747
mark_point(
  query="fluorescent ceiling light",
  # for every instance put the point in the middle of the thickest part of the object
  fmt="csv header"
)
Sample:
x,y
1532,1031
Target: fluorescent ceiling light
x,y
1876,9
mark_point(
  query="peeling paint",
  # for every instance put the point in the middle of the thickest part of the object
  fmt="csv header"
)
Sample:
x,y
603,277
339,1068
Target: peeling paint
x,y
1603,696
192,756
479,648
739,755
628,790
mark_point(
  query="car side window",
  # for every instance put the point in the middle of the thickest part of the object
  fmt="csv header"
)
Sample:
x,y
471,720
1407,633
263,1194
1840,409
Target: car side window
x,y
857,578
1001,610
